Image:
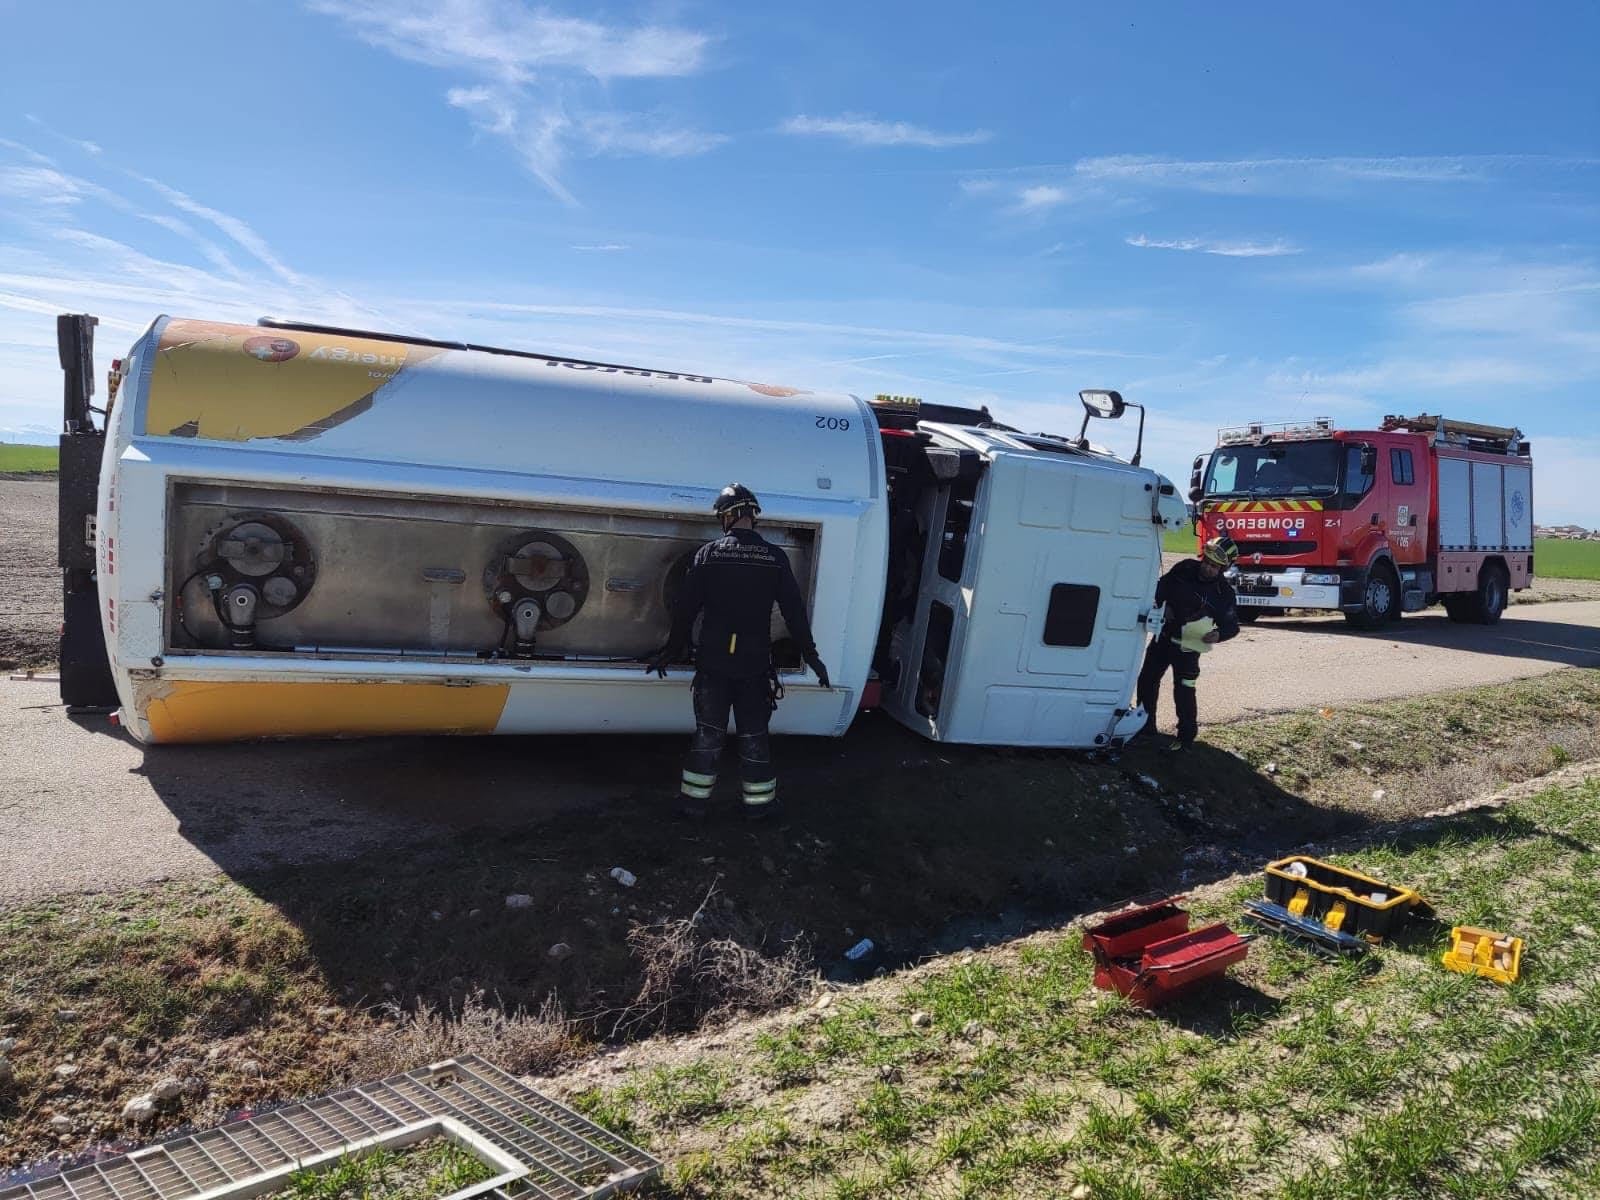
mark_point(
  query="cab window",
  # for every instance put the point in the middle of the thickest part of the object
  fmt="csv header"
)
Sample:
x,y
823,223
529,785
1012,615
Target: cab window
x,y
1400,467
1224,472
1357,474
957,525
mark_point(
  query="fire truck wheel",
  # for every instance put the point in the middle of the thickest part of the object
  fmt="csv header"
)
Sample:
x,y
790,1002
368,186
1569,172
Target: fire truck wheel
x,y
1380,599
1490,600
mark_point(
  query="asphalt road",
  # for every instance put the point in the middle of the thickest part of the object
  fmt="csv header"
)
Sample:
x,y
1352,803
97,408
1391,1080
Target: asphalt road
x,y
83,807
1276,665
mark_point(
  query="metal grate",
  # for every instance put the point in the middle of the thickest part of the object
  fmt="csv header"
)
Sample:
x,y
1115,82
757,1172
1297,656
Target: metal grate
x,y
542,1149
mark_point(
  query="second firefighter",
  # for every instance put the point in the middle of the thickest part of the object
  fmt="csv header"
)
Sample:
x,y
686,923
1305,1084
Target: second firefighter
x,y
1200,613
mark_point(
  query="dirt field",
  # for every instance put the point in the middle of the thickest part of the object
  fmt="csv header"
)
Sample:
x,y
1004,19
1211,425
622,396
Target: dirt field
x,y
30,584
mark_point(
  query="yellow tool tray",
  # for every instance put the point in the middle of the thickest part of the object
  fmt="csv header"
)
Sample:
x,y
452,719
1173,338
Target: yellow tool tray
x,y
1340,898
1474,951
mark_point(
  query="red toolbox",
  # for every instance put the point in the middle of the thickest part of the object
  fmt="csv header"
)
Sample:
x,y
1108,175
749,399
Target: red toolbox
x,y
1150,955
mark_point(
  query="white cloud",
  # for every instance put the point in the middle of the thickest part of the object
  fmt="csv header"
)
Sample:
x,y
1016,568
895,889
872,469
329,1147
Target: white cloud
x,y
86,146
538,137
28,152
530,71
39,185
1014,194
516,44
1272,249
1283,175
604,247
1044,348
1041,198
1395,377
622,133
214,254
236,229
1544,312
868,131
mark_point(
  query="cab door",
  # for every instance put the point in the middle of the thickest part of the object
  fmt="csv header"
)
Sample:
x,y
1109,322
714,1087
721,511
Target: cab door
x,y
1407,501
1366,495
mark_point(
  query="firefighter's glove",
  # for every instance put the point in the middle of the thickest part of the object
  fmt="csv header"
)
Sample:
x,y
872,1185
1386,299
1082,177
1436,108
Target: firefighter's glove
x,y
659,661
815,663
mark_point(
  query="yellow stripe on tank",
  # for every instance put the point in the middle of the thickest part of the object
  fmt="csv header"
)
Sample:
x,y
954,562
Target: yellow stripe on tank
x,y
232,383
193,711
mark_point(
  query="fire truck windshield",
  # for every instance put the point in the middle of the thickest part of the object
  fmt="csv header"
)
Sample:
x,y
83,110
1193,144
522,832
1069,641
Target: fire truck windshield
x,y
1284,469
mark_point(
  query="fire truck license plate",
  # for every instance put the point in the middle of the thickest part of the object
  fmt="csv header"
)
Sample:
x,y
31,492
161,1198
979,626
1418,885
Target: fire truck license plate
x,y
1257,601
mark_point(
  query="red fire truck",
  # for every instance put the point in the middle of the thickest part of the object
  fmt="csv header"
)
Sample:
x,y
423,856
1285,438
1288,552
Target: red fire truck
x,y
1372,523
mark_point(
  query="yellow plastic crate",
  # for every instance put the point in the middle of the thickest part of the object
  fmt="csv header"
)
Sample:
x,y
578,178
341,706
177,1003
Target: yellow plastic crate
x,y
1340,898
1474,951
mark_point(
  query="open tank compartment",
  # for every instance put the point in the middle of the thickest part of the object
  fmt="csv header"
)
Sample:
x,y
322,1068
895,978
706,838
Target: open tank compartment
x,y
256,566
303,572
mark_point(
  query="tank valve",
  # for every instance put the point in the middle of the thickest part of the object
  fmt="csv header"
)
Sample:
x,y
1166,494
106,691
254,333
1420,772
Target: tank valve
x,y
525,621
239,611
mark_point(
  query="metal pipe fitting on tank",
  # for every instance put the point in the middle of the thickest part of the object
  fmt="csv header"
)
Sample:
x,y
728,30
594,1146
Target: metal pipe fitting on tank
x,y
239,611
525,623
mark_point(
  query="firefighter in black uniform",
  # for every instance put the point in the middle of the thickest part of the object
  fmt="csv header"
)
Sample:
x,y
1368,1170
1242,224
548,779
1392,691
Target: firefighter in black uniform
x,y
1193,589
735,581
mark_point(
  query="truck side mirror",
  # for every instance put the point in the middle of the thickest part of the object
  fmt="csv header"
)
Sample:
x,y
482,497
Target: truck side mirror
x,y
1196,492
1369,460
1098,403
1196,472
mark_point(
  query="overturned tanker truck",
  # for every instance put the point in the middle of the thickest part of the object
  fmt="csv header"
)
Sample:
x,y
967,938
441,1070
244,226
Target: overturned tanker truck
x,y
291,530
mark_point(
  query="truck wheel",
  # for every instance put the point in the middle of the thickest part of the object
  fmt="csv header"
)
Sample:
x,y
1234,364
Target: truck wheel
x,y
1247,616
1380,600
1459,608
1489,601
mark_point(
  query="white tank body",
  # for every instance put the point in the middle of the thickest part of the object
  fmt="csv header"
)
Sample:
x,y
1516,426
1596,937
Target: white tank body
x,y
396,506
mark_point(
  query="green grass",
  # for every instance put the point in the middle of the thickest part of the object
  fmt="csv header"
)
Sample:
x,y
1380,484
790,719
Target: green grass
x,y
1179,541
1304,1078
421,1172
1557,558
29,459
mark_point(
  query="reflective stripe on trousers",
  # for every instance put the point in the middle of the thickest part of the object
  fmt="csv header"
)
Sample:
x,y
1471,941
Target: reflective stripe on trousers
x,y
697,786
750,702
757,794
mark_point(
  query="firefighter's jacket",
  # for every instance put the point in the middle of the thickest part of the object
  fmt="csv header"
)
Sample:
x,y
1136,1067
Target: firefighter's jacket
x,y
735,581
1188,598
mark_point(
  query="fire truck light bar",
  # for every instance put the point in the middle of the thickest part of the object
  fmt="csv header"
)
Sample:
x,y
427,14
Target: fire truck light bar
x,y
1256,431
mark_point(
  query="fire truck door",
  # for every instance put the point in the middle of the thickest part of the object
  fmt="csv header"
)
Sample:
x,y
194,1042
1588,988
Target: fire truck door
x,y
1406,506
1367,509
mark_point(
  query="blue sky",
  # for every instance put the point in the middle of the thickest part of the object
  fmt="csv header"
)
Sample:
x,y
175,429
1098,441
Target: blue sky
x,y
1250,211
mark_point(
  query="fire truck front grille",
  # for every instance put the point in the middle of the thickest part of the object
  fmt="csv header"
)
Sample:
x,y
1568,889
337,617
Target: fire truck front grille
x,y
1296,546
